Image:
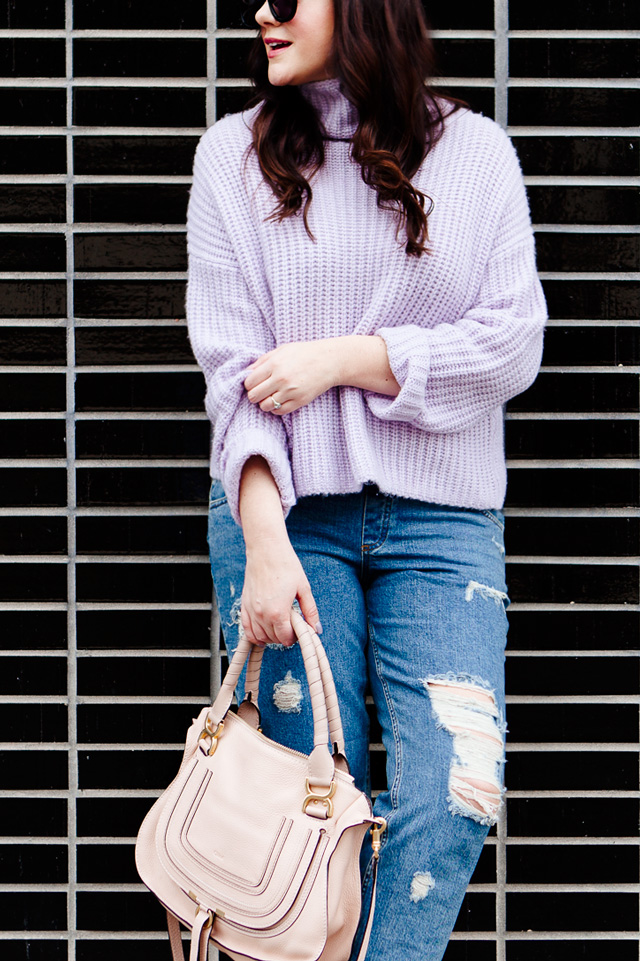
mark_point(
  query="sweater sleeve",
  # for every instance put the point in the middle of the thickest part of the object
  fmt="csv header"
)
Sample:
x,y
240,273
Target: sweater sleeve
x,y
228,331
454,373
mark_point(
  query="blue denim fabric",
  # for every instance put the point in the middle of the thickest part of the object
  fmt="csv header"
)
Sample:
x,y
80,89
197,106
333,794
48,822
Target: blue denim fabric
x,y
410,594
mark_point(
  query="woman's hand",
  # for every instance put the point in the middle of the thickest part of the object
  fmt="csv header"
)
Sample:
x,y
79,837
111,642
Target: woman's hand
x,y
295,373
274,577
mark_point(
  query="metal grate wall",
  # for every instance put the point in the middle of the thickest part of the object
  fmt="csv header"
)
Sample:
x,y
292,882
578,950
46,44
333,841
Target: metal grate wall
x,y
105,597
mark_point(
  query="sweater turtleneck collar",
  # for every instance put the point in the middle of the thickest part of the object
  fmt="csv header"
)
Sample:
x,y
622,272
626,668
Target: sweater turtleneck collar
x,y
339,116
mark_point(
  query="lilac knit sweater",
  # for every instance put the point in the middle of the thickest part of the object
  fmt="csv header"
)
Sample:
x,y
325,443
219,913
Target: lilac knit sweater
x,y
463,325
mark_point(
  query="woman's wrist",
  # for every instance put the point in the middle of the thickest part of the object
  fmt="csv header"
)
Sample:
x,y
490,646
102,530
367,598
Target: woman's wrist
x,y
362,361
260,508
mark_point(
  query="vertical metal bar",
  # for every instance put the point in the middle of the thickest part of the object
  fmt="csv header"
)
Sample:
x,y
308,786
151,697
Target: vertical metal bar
x,y
501,53
72,730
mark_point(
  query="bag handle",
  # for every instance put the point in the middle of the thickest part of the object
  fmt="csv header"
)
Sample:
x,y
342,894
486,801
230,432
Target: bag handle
x,y
252,683
321,763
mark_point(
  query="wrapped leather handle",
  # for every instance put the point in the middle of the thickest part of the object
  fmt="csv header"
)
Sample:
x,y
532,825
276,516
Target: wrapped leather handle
x,y
324,702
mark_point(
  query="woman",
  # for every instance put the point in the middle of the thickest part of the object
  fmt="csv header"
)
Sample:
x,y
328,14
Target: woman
x,y
363,299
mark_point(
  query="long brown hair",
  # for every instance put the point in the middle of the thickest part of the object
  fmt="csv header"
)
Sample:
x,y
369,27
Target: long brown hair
x,y
383,57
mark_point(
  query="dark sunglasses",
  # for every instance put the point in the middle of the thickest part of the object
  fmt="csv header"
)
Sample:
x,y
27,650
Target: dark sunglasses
x,y
281,10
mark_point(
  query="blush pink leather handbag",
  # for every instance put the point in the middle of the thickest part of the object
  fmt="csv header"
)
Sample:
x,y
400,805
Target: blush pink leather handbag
x,y
255,846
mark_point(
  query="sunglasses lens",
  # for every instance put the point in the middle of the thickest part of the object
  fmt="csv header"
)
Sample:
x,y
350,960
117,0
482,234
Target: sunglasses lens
x,y
283,10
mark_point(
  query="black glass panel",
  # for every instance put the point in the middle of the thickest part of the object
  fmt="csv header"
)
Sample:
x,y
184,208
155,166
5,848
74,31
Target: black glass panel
x,y
134,155
574,14
33,345
38,910
34,722
33,298
33,155
145,203
18,815
140,58
33,864
33,535
592,299
129,298
134,345
33,106
133,485
581,487
32,58
231,100
127,769
572,817
578,155
570,675
33,487
578,950
139,107
572,722
601,251
139,391
157,630
567,438
573,630
33,438
33,582
33,630
41,14
150,438
129,723
25,251
567,912
579,392
583,106
574,58
130,251
566,583
32,204
107,863
139,14
163,582
32,392
573,536
584,205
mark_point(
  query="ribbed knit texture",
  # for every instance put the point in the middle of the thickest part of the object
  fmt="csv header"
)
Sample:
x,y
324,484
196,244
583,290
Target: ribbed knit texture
x,y
463,325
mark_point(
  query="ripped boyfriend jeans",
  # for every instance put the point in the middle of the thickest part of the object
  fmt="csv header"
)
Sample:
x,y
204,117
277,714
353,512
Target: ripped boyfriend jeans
x,y
412,601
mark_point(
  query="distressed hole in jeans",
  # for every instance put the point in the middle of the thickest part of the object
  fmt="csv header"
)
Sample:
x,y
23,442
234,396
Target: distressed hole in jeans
x,y
421,883
234,613
467,709
287,694
483,590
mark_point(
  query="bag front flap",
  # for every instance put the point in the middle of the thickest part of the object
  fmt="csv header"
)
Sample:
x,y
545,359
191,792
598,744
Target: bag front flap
x,y
233,834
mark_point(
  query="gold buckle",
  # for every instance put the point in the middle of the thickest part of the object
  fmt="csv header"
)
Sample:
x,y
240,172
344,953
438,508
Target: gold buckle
x,y
319,798
214,735
377,831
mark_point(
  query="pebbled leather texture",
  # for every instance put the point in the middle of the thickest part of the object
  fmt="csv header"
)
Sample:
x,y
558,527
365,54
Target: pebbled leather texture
x,y
237,838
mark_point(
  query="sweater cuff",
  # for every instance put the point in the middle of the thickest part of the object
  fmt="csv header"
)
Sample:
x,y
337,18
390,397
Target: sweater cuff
x,y
409,362
249,442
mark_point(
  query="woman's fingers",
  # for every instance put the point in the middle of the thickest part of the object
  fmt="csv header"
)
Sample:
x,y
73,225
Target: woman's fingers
x,y
309,609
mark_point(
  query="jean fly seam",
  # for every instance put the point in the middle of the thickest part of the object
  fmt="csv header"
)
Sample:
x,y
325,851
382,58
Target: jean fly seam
x,y
384,527
397,777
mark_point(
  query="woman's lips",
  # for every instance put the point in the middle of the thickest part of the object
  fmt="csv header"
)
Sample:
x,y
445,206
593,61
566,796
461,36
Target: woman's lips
x,y
275,46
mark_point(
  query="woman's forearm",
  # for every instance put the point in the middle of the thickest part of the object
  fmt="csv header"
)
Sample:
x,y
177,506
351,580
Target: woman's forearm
x,y
260,506
363,362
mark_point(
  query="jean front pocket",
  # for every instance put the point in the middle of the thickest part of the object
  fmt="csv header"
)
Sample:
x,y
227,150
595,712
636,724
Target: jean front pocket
x,y
217,496
496,516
